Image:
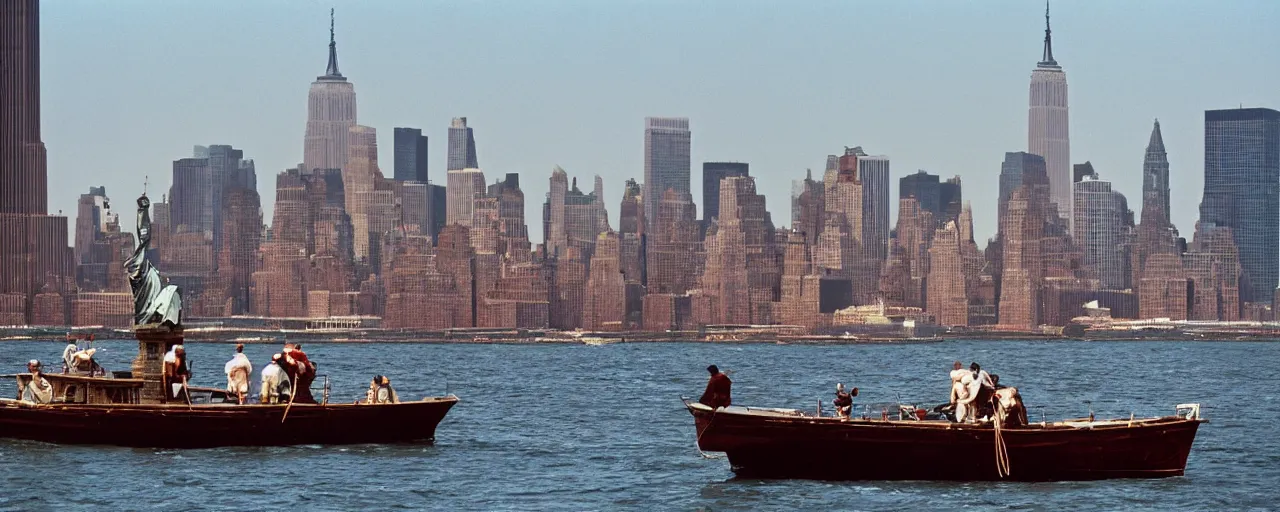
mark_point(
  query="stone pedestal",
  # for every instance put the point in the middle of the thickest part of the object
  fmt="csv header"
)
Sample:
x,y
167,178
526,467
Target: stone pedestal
x,y
153,342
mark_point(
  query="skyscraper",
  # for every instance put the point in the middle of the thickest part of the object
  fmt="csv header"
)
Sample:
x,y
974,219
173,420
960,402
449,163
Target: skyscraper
x,y
1047,133
23,179
666,162
359,182
573,217
924,188
437,209
1242,190
33,245
712,174
410,155
462,146
951,200
463,188
873,171
331,112
1155,173
1099,229
1015,166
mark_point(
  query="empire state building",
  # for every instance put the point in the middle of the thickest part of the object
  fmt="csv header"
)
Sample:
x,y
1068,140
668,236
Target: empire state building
x,y
331,112
1047,133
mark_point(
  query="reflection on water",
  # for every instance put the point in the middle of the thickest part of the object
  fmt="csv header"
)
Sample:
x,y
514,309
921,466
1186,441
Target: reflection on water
x,y
601,427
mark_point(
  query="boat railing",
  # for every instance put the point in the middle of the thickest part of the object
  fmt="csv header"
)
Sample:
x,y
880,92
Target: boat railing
x,y
1187,411
324,393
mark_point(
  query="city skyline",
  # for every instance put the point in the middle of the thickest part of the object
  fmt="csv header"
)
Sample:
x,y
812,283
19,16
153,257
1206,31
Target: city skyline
x,y
348,241
615,152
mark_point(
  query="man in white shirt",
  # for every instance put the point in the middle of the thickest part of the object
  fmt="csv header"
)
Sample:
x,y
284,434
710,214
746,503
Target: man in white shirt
x,y
275,383
238,370
980,389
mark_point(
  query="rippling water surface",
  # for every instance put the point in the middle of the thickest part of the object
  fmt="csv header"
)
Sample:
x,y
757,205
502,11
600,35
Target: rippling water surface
x,y
571,427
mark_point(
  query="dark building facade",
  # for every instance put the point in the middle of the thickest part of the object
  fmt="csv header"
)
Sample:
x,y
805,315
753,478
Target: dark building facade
x,y
23,180
34,257
712,174
410,163
924,188
436,209
951,198
1242,191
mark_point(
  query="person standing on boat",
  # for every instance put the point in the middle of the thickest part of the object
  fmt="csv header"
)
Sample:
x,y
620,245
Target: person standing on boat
x,y
844,401
980,390
302,370
238,370
960,390
718,391
275,382
37,390
176,373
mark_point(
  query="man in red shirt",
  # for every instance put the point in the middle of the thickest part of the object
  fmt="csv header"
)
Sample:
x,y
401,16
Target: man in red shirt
x,y
302,371
718,389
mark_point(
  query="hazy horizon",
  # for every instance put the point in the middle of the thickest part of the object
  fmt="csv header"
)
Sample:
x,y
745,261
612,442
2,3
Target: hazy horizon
x,y
130,86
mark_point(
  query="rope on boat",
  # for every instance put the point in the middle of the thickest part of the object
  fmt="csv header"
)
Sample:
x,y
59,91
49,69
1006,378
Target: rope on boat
x,y
698,441
1002,451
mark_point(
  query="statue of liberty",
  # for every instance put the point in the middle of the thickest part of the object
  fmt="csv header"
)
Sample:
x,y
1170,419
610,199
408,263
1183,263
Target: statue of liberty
x,y
154,303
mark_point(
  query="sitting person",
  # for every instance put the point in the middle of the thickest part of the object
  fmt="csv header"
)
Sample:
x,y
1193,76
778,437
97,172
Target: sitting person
x,y
719,389
1009,408
381,392
844,401
80,362
37,390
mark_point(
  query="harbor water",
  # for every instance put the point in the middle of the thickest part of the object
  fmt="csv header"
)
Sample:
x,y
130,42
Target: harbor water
x,y
575,427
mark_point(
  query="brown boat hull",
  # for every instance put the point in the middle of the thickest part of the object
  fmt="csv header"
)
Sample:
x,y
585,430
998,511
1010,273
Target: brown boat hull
x,y
761,446
208,426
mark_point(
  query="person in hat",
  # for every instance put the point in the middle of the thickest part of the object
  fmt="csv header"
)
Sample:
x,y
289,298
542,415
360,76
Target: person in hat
x,y
301,369
381,392
37,390
844,401
719,389
276,387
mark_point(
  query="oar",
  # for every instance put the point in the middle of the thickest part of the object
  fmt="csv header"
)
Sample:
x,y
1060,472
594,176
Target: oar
x,y
292,392
186,393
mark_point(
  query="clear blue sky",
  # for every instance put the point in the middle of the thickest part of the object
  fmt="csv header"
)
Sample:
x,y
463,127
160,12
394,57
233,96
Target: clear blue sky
x,y
129,85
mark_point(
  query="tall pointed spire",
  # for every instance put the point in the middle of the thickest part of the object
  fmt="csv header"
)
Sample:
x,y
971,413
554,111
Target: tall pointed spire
x,y
1047,58
332,70
1157,141
1155,180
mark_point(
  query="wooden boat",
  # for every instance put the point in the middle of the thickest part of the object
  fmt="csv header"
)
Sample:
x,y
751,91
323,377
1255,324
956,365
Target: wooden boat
x,y
106,411
134,408
214,425
786,443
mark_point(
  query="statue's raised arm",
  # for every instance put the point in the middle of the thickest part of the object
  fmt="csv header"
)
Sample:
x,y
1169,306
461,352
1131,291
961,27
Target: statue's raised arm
x,y
153,302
